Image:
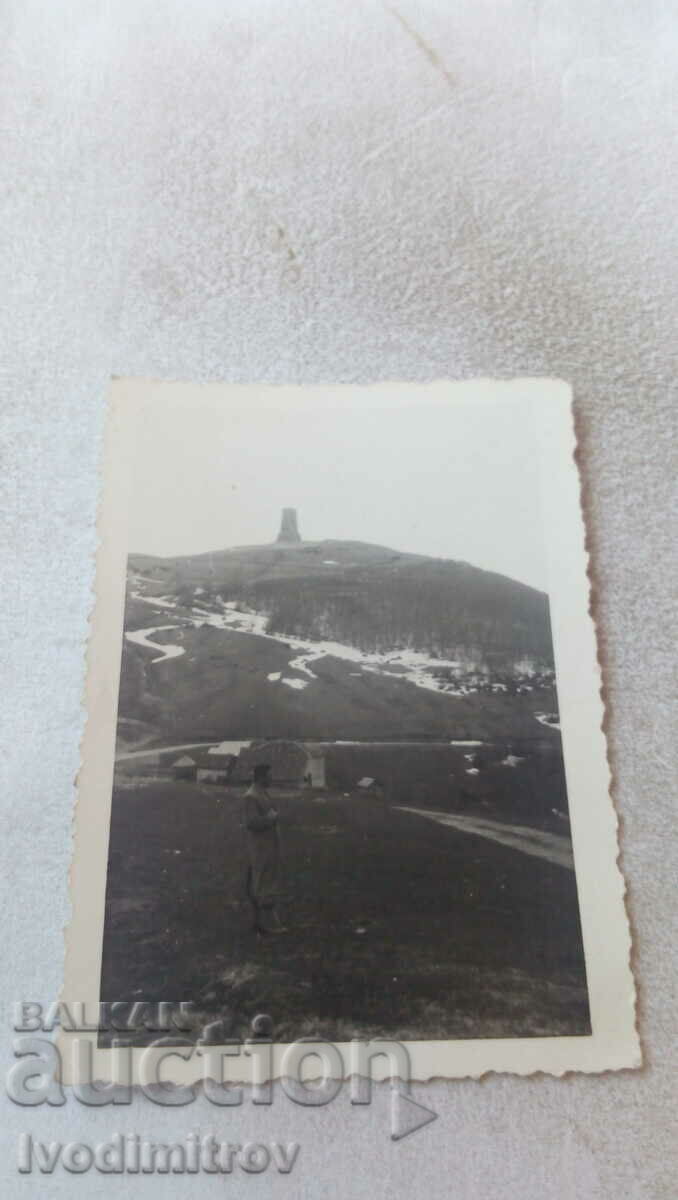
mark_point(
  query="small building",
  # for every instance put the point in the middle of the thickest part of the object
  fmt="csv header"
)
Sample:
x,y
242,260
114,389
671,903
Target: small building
x,y
184,768
226,750
293,764
368,786
212,775
215,767
315,766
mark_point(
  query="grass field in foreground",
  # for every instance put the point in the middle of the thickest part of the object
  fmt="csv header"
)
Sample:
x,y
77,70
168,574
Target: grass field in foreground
x,y
397,926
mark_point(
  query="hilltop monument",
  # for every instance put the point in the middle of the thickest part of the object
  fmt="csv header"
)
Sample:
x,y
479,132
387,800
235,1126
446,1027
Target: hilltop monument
x,y
289,529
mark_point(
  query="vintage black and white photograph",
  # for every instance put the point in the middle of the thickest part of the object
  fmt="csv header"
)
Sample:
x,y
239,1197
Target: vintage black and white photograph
x,y
339,792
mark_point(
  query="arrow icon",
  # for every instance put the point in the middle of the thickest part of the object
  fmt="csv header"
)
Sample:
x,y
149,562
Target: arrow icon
x,y
407,1115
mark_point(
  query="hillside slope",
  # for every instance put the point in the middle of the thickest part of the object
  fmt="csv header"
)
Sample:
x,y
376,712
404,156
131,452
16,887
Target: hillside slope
x,y
367,596
331,640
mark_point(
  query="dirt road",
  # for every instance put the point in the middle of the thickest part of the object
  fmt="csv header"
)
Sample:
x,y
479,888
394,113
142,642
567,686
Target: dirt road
x,y
550,846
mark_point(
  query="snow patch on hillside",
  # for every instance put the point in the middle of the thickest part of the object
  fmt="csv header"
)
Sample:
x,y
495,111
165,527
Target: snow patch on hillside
x,y
549,719
300,664
142,637
439,675
409,665
160,601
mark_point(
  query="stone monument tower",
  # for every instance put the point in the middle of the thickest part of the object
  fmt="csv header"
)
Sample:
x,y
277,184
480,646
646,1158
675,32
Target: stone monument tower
x,y
289,530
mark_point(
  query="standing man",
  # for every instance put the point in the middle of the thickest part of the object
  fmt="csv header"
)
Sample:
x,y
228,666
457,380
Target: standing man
x,y
263,848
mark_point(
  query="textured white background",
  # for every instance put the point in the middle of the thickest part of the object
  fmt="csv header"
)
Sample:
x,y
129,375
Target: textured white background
x,y
302,191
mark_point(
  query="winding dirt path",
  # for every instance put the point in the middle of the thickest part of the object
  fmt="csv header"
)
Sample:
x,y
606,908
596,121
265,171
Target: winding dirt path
x,y
551,846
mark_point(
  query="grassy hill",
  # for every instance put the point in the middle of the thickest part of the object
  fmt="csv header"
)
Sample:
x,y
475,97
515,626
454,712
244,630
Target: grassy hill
x,y
368,596
220,687
482,634
398,927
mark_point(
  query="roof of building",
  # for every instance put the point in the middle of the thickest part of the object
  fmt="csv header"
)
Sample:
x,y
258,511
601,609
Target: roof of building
x,y
366,782
232,748
184,761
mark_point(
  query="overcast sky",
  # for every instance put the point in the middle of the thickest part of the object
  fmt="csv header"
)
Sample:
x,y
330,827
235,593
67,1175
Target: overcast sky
x,y
454,482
